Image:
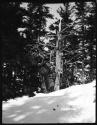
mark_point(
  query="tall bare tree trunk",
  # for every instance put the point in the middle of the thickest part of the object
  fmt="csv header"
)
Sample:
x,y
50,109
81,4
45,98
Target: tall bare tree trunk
x,y
58,68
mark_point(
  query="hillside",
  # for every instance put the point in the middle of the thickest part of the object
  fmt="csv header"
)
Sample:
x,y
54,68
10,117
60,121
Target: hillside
x,y
75,104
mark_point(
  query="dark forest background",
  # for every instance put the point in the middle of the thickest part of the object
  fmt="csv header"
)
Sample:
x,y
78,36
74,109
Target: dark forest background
x,y
23,58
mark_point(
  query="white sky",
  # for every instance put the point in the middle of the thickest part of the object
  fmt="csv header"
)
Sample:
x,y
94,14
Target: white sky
x,y
53,8
53,11
24,5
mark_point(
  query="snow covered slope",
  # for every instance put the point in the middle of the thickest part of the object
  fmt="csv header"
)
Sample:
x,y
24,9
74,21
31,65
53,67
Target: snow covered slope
x,y
75,104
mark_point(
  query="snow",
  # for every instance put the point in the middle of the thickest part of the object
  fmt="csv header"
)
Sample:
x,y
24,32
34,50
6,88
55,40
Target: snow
x,y
75,104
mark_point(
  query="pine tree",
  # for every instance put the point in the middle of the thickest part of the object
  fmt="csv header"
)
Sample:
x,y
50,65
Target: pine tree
x,y
83,14
12,44
91,38
11,19
34,24
68,36
74,41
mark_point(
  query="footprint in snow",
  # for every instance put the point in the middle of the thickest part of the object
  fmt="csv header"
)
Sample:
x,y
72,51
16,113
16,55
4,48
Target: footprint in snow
x,y
55,108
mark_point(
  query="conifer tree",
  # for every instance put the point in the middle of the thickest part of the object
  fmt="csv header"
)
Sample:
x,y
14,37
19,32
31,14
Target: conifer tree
x,y
34,24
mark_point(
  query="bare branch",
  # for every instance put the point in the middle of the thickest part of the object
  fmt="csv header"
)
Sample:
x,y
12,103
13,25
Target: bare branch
x,y
50,45
71,59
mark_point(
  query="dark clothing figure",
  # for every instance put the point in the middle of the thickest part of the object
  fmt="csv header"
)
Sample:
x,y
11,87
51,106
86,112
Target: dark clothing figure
x,y
44,71
39,65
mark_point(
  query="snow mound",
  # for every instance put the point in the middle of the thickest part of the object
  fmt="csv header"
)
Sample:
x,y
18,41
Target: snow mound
x,y
75,104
